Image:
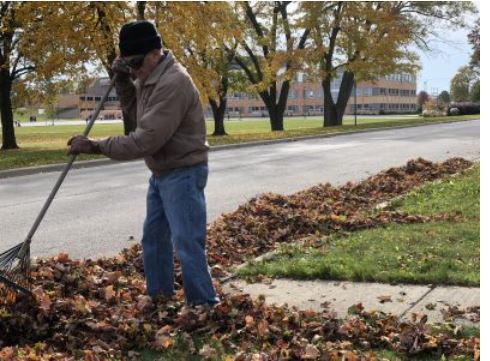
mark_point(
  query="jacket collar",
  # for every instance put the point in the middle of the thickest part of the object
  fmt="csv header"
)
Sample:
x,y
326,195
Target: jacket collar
x,y
159,70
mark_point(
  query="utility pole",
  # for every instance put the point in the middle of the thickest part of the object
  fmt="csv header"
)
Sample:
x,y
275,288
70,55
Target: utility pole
x,y
355,101
435,94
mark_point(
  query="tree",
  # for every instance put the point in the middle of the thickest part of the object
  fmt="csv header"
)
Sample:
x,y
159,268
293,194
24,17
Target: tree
x,y
422,98
474,39
460,84
50,98
369,40
205,44
272,47
475,92
31,50
444,97
95,32
221,62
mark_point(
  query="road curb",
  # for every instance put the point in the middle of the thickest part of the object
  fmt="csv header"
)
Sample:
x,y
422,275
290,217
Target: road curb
x,y
101,162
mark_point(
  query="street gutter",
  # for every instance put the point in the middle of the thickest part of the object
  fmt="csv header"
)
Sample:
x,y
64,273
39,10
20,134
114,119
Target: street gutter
x,y
101,162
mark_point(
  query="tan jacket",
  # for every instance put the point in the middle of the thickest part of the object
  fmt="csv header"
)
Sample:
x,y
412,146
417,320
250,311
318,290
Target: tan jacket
x,y
170,127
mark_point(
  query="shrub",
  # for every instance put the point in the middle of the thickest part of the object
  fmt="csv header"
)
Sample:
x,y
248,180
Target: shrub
x,y
432,109
463,108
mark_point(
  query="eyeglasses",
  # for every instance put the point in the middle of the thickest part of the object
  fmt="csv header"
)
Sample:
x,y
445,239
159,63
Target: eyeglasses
x,y
135,62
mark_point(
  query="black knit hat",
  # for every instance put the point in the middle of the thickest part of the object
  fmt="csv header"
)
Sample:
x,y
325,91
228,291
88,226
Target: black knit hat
x,y
138,37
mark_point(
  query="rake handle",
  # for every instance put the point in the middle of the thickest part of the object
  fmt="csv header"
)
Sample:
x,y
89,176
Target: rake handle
x,y
63,174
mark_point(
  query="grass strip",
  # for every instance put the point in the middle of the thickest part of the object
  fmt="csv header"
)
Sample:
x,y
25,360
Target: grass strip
x,y
435,252
456,196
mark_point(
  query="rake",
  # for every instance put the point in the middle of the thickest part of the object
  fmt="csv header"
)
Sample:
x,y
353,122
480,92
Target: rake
x,y
15,263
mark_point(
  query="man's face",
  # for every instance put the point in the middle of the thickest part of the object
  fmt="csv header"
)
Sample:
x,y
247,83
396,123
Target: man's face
x,y
137,64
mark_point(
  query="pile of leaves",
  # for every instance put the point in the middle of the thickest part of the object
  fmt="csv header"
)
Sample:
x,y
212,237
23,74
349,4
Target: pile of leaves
x,y
98,310
265,222
114,319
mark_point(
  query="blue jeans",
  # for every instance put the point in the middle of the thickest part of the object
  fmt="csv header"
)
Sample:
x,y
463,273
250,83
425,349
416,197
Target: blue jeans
x,y
176,220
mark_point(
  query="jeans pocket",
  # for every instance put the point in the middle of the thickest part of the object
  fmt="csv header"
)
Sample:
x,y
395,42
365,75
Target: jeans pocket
x,y
201,176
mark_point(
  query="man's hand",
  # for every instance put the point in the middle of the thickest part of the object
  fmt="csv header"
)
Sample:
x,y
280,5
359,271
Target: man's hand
x,y
119,67
81,144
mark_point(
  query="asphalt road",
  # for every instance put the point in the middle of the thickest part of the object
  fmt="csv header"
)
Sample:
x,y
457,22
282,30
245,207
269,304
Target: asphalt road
x,y
100,210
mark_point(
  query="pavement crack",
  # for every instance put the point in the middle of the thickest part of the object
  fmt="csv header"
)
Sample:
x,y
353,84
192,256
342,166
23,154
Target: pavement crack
x,y
416,302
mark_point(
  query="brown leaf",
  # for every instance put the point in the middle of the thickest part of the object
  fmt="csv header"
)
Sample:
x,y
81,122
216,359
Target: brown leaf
x,y
207,352
262,328
311,353
249,321
112,277
384,299
109,293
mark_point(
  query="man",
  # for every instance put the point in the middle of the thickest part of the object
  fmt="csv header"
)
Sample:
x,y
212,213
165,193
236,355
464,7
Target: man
x,y
170,134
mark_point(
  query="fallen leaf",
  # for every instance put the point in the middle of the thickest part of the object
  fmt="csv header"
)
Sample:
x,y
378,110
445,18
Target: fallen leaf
x,y
384,299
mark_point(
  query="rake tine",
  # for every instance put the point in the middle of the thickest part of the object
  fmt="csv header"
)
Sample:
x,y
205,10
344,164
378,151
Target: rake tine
x,y
15,264
15,286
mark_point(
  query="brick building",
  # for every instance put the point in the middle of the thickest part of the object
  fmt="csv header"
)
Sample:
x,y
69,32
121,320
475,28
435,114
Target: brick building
x,y
396,93
89,101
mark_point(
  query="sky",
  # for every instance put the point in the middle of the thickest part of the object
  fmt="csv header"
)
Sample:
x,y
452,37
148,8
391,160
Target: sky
x,y
442,62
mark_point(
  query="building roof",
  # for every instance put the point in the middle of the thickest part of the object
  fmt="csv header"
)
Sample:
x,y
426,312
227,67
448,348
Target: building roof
x,y
98,88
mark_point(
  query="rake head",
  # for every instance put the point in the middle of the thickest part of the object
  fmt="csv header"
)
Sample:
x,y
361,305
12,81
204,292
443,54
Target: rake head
x,y
15,270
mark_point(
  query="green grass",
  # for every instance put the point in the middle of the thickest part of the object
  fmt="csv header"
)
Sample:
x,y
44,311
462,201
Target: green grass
x,y
441,253
435,252
393,356
23,115
454,196
47,144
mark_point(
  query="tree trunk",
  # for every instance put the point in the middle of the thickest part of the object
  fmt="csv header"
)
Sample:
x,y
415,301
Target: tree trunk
x,y
8,133
276,110
345,92
334,111
330,115
140,9
219,116
276,119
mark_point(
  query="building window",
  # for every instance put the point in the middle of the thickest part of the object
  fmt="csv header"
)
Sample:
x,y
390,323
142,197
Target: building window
x,y
235,95
308,93
257,110
233,110
313,109
367,92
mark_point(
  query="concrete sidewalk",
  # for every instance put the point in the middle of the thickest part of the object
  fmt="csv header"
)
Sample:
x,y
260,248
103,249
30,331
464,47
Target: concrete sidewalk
x,y
460,305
